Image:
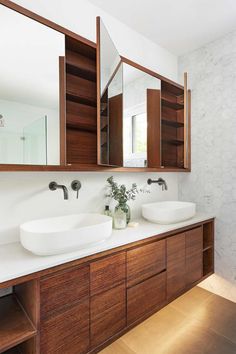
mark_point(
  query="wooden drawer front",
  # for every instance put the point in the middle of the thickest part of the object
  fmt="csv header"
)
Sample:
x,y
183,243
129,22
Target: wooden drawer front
x,y
63,289
107,314
194,249
67,332
107,273
145,297
175,265
145,261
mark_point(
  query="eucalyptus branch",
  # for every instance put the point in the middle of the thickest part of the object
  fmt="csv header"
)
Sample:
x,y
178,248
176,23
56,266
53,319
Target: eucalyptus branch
x,y
120,193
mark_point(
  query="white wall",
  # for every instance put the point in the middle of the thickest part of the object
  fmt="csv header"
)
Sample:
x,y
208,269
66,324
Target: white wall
x,y
212,183
80,17
25,196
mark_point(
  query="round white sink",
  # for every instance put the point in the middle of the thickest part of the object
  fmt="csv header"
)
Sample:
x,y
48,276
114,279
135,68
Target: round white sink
x,y
168,212
64,233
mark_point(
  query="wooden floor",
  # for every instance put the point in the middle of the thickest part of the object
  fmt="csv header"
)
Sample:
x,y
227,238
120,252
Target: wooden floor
x,y
199,322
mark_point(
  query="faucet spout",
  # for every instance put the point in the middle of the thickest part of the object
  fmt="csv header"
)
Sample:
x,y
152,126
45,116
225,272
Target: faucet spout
x,y
160,181
54,186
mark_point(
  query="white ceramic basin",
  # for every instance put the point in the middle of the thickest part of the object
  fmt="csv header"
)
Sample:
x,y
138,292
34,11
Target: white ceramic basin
x,y
168,212
65,233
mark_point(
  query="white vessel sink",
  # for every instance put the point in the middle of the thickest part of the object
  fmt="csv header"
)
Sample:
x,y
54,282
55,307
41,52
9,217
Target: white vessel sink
x,y
65,233
168,212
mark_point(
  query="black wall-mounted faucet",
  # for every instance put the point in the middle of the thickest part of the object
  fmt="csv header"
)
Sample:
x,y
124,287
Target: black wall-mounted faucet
x,y
54,186
160,181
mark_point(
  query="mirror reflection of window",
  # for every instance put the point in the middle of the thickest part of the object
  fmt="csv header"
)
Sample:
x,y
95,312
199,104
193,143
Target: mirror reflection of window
x,y
135,89
139,133
29,90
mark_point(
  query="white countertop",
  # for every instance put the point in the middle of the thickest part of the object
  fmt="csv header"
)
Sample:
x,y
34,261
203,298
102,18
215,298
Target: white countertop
x,y
15,261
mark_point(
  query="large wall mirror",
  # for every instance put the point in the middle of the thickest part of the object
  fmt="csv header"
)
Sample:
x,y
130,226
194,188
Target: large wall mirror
x,y
29,90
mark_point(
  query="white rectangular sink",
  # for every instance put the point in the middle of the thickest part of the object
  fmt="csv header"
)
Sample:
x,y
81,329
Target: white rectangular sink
x,y
65,233
168,212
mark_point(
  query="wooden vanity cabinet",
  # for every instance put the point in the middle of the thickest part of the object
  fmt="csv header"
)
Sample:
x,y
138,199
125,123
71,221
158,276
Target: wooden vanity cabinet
x,y
194,255
145,297
184,260
65,312
145,261
82,306
175,265
108,297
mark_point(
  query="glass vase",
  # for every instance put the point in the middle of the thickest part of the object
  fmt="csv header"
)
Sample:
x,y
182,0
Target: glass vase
x,y
126,209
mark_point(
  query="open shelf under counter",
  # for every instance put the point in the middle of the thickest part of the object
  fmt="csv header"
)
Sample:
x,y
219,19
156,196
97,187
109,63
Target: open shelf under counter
x,y
15,326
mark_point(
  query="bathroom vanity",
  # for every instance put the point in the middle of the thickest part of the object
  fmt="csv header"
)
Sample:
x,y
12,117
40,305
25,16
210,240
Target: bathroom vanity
x,y
82,301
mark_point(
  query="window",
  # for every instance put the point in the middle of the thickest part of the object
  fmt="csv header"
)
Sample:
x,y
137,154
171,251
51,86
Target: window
x,y
139,133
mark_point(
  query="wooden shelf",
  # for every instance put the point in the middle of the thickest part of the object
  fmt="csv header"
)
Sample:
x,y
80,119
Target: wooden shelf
x,y
173,141
80,65
15,326
174,105
172,123
82,123
71,97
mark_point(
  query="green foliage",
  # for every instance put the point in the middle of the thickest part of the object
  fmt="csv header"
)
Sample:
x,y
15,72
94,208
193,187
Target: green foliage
x,y
120,192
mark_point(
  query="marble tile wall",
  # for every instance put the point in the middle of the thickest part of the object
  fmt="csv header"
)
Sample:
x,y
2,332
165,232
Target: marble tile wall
x,y
212,183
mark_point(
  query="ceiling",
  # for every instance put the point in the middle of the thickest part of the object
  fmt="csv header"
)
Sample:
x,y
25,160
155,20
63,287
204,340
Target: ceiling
x,y
179,26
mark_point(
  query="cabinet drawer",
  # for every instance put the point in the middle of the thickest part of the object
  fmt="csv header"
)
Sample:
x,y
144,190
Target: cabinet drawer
x,y
67,332
175,265
145,297
107,273
108,314
145,261
194,256
64,288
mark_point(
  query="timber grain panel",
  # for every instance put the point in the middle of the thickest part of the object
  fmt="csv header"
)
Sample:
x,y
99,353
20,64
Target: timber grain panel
x,y
175,265
67,332
107,273
108,314
64,288
146,261
194,255
144,297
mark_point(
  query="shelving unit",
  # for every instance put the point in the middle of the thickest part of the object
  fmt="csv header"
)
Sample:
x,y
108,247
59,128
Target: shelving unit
x,y
19,319
208,248
81,102
172,125
15,325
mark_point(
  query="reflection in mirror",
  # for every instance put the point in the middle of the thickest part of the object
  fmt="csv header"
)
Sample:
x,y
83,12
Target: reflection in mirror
x,y
109,58
136,90
29,90
111,121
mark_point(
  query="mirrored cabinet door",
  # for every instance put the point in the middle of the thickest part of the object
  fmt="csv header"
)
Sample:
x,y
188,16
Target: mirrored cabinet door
x,y
140,116
29,90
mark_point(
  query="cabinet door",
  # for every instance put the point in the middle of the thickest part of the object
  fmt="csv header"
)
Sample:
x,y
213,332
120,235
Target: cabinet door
x,y
145,297
107,314
175,265
145,261
107,273
67,332
63,289
194,250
